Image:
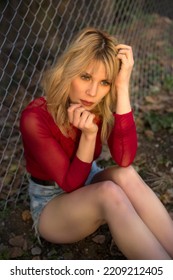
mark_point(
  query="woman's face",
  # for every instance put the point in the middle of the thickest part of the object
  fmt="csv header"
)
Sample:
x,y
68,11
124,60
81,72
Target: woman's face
x,y
91,86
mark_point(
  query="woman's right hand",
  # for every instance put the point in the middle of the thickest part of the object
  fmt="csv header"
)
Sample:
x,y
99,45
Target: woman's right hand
x,y
82,119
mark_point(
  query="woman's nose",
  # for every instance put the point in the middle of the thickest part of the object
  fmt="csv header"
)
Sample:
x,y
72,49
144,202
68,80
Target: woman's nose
x,y
92,90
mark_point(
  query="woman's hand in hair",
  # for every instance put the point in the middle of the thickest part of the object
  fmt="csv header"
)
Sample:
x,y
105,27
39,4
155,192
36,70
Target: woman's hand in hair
x,y
125,55
82,119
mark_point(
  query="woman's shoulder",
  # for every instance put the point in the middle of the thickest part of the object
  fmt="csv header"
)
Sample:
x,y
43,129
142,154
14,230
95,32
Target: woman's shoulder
x,y
35,117
36,110
38,107
37,103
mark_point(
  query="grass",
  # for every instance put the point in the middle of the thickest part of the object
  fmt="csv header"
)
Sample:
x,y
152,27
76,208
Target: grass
x,y
168,83
158,121
4,255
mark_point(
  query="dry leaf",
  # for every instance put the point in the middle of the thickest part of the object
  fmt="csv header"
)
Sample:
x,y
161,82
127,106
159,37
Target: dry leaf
x,y
151,99
26,215
100,239
149,133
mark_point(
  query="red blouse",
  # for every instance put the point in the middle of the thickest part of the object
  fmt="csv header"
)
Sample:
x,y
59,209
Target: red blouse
x,y
52,156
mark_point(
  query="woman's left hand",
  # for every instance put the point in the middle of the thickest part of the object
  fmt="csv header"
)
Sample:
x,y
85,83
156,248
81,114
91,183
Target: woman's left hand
x,y
125,54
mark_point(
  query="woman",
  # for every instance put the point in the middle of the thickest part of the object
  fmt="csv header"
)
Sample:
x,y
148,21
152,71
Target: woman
x,y
86,104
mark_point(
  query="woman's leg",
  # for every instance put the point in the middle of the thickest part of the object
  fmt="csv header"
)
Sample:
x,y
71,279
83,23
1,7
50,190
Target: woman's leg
x,y
73,216
144,201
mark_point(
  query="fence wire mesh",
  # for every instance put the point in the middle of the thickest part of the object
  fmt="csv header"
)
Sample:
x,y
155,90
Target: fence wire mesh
x,y
34,32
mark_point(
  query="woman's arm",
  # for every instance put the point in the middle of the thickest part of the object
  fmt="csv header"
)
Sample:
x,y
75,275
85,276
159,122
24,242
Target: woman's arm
x,y
123,138
125,55
122,141
46,158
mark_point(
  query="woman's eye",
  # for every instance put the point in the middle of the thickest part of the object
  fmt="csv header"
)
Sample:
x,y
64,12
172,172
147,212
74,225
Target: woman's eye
x,y
85,77
105,83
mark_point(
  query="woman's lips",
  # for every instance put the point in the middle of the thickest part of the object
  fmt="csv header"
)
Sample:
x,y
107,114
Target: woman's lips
x,y
86,103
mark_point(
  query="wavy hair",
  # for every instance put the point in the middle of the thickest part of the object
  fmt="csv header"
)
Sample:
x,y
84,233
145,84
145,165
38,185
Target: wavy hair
x,y
89,45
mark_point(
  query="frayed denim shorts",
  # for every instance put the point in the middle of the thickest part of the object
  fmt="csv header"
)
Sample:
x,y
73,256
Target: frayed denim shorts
x,y
40,195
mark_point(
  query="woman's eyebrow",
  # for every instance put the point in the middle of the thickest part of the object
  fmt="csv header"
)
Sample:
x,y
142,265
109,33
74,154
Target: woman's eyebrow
x,y
86,73
107,80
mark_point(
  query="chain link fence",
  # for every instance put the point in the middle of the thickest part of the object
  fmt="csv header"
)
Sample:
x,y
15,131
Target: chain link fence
x,y
34,32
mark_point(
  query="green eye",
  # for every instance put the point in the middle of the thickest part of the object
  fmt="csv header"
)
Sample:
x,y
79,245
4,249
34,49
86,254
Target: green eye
x,y
105,83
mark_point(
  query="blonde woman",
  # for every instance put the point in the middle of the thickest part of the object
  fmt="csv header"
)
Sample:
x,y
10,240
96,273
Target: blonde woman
x,y
87,103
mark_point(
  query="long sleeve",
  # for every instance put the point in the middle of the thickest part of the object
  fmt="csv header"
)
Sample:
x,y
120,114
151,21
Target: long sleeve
x,y
122,141
46,158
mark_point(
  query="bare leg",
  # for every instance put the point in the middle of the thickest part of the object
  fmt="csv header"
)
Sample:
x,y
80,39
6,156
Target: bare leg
x,y
71,217
144,201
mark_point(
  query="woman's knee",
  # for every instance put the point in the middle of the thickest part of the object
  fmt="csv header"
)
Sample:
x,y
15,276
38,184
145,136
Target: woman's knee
x,y
125,174
110,193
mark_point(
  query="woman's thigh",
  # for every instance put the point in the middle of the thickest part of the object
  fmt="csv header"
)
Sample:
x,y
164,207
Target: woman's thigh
x,y
70,217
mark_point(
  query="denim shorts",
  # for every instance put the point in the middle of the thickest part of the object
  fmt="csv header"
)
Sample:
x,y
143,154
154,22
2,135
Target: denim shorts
x,y
40,195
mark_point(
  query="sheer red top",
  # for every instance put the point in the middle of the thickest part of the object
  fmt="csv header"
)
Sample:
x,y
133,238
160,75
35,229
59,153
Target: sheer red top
x,y
52,156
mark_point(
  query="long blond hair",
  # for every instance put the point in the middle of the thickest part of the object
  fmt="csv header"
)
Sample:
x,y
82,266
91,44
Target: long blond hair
x,y
89,45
